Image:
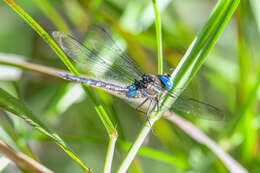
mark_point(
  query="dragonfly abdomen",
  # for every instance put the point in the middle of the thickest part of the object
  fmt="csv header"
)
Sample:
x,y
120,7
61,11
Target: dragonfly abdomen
x,y
92,82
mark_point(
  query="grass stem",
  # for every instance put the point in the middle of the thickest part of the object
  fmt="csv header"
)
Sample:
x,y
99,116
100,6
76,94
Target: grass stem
x,y
158,38
110,153
187,68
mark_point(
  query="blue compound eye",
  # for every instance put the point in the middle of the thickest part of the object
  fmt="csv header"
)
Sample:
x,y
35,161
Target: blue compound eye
x,y
166,81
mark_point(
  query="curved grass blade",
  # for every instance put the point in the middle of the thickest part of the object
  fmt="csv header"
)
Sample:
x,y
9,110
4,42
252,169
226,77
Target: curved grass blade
x,y
22,160
112,139
147,152
64,59
18,61
232,165
15,106
53,45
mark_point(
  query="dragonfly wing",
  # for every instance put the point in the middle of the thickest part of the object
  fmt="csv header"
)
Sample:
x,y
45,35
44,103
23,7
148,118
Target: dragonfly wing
x,y
100,38
99,59
197,108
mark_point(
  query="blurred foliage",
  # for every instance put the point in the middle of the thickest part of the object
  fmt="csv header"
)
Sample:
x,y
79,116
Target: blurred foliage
x,y
229,80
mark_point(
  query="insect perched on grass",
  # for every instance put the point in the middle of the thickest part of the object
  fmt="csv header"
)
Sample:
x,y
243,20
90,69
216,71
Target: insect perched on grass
x,y
111,69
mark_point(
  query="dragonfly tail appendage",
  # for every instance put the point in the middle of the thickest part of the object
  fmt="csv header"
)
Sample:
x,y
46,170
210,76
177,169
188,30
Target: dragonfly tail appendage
x,y
92,82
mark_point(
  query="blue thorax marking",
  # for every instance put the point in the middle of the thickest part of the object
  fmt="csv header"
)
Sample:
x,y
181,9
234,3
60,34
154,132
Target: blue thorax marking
x,y
139,84
166,81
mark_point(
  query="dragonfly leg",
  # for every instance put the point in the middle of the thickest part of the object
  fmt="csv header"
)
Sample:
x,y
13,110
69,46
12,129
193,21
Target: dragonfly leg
x,y
139,106
148,111
147,115
158,103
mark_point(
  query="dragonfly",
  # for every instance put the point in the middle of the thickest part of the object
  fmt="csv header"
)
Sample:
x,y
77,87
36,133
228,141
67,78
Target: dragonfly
x,y
106,66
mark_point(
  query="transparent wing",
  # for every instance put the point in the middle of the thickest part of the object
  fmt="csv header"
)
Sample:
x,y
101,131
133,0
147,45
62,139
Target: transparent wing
x,y
99,56
197,108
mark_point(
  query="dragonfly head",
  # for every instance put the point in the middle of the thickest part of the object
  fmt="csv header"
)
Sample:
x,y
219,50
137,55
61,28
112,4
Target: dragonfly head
x,y
166,81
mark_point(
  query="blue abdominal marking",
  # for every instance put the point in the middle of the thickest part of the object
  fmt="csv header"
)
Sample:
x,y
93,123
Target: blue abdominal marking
x,y
131,92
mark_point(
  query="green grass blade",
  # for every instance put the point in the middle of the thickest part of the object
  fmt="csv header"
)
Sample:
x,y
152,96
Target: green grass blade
x,y
64,59
112,138
189,65
15,106
57,50
203,43
106,121
158,38
110,154
100,110
144,151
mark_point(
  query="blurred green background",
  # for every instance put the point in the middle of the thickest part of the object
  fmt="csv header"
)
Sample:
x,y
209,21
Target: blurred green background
x,y
227,80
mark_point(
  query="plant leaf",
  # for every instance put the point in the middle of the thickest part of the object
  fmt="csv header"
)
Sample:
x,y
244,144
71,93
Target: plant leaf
x,y
15,106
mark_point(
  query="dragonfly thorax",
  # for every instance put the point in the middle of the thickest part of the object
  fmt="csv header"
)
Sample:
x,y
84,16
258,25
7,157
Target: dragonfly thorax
x,y
149,86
